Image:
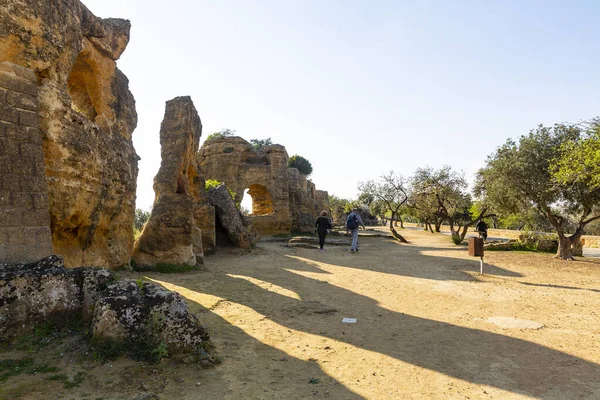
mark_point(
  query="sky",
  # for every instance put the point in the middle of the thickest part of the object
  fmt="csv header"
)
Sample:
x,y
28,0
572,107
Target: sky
x,y
360,88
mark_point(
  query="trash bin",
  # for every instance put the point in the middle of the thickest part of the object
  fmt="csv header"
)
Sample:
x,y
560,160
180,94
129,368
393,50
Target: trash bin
x,y
476,247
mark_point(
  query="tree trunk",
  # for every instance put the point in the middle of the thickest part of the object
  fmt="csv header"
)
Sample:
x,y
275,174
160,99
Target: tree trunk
x,y
394,233
438,224
565,245
428,225
401,222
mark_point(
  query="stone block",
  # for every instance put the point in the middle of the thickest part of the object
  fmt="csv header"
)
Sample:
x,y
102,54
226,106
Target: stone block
x,y
9,114
22,100
35,218
15,132
35,135
34,184
2,97
12,149
32,151
3,146
40,201
28,118
23,166
18,84
2,251
5,165
25,73
10,182
21,200
10,217
5,199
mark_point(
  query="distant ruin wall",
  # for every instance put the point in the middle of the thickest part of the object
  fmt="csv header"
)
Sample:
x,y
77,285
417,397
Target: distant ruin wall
x,y
24,218
283,200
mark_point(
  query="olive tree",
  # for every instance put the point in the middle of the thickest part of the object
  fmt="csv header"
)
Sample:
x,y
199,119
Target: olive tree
x,y
519,176
391,191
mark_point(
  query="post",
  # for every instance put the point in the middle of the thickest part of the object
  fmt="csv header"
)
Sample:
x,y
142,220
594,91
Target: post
x,y
481,265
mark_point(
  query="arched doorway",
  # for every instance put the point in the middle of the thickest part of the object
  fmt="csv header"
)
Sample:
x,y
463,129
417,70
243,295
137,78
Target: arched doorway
x,y
257,200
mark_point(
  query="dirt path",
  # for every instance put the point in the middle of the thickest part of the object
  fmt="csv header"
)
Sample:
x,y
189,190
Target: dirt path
x,y
422,327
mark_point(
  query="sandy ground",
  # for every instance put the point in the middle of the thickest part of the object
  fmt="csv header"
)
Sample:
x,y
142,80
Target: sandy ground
x,y
422,329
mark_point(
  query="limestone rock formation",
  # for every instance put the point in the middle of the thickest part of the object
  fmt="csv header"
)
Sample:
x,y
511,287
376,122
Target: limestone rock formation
x,y
87,118
123,311
240,232
283,200
172,235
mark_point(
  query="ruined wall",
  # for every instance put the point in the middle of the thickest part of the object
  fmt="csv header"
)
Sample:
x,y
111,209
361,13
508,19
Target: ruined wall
x,y
172,235
87,118
283,200
24,217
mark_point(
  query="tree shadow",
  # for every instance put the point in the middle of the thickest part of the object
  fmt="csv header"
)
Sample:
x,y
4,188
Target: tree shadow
x,y
472,355
549,285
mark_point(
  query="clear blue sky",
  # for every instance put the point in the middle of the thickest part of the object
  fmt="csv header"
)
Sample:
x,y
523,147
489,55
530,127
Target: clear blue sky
x,y
361,87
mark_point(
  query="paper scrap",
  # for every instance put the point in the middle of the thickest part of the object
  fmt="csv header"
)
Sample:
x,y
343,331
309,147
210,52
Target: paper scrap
x,y
349,320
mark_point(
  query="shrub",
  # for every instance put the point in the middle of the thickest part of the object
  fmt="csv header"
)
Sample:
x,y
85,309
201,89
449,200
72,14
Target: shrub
x,y
260,143
302,164
222,133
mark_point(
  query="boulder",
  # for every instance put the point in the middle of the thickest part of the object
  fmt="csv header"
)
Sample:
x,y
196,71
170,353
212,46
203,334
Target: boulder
x,y
240,230
172,235
128,312
46,291
86,118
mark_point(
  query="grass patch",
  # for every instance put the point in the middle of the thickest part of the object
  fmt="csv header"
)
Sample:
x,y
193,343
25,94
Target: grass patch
x,y
110,349
47,333
68,383
9,368
282,235
164,268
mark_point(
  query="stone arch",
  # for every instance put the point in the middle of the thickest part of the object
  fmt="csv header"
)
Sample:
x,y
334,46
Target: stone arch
x,y
262,204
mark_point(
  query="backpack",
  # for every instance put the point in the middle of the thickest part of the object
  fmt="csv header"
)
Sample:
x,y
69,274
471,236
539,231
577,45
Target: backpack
x,y
352,222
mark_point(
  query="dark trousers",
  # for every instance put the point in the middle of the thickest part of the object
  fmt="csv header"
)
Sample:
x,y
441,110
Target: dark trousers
x,y
322,235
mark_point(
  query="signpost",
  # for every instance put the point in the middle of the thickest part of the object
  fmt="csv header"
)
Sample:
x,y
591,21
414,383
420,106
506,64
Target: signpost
x,y
476,250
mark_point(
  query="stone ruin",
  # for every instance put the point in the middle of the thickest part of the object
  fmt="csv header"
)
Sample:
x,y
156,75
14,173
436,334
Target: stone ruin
x,y
68,174
67,117
283,200
173,235
185,219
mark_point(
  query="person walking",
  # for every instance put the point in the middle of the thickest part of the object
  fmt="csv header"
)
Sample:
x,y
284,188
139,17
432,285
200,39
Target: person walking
x,y
352,223
482,228
323,224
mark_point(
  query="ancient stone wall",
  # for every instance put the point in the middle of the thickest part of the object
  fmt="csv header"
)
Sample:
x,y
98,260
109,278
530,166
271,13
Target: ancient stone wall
x,y
24,217
283,200
87,119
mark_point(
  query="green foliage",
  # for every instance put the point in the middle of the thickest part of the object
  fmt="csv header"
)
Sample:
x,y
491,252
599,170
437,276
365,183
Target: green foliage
x,y
580,160
456,239
140,218
526,175
260,143
221,134
10,368
150,349
302,164
212,183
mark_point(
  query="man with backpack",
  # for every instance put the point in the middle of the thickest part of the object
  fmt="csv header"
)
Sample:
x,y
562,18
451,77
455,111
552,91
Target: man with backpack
x,y
352,223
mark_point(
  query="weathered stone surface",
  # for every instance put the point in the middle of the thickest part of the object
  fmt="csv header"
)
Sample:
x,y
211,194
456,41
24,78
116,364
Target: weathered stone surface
x,y
46,291
24,222
172,234
239,229
128,312
87,115
31,294
283,200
